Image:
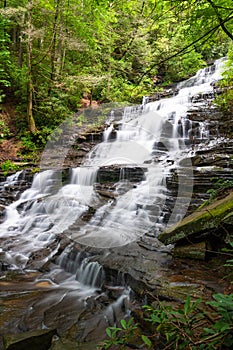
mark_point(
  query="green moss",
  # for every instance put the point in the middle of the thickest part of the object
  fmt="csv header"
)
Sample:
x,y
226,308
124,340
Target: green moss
x,y
208,218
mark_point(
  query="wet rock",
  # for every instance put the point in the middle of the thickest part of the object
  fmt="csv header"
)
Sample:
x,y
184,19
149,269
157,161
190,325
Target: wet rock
x,y
33,340
169,92
39,257
211,159
167,129
160,146
200,223
116,173
88,214
106,190
2,212
90,135
4,266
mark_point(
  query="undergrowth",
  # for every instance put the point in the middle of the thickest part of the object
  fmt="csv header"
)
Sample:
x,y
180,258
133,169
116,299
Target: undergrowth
x,y
197,325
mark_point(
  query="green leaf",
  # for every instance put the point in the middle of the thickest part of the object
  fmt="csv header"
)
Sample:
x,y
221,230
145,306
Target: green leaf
x,y
109,333
123,324
146,340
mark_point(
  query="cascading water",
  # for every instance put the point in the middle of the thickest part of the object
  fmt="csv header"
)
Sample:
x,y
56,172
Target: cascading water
x,y
153,136
89,273
49,208
141,129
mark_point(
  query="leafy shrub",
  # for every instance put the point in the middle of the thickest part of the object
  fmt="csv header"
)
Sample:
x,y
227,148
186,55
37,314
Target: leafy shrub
x,y
8,166
221,332
220,186
179,328
225,100
120,336
4,131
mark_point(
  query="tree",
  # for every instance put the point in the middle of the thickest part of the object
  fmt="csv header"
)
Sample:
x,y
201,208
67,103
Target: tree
x,y
31,121
4,57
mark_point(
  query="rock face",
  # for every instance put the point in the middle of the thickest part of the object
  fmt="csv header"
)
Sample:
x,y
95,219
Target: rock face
x,y
10,190
205,168
203,224
115,173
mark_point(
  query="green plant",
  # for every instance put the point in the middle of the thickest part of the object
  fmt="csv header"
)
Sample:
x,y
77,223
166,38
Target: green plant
x,y
4,131
191,327
225,100
175,328
221,333
8,166
120,336
219,187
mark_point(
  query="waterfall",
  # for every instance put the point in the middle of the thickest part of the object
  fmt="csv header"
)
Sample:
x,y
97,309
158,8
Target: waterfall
x,y
89,273
155,135
108,132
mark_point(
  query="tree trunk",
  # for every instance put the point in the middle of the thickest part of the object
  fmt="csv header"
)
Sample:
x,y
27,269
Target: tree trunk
x,y
53,48
60,47
31,122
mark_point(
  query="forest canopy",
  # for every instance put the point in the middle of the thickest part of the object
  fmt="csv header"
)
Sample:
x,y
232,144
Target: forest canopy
x,y
55,52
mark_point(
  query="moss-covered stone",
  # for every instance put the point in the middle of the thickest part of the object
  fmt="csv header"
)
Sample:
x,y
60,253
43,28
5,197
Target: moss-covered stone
x,y
205,220
38,339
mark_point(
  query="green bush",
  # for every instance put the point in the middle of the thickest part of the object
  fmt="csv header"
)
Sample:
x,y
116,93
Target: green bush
x,y
8,166
196,326
225,99
4,131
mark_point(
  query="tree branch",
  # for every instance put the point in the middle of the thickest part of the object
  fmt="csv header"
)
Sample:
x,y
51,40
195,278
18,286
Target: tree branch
x,y
221,21
179,52
211,31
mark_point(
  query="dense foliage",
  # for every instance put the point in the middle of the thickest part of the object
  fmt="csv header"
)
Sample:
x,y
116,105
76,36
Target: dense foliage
x,y
54,53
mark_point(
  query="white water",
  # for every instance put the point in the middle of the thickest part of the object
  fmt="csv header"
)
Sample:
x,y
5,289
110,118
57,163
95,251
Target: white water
x,y
48,208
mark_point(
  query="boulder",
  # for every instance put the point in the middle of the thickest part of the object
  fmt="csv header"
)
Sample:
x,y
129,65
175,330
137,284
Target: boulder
x,y
33,340
201,223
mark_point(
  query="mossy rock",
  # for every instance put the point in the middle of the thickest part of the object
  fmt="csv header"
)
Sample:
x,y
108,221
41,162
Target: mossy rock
x,y
33,340
191,251
203,221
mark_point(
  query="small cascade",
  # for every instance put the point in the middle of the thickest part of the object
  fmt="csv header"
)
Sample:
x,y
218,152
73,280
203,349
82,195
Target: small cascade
x,y
176,109
12,179
122,176
107,133
89,273
145,100
84,176
205,76
132,112
115,309
12,187
204,130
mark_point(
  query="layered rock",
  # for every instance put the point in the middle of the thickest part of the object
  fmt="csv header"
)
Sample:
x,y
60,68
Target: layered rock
x,y
205,229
